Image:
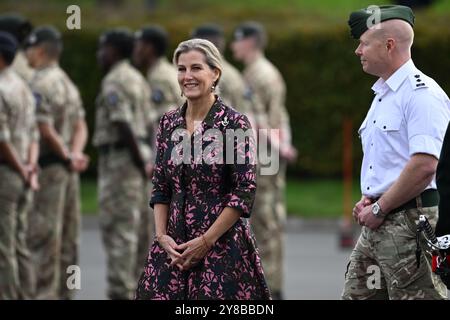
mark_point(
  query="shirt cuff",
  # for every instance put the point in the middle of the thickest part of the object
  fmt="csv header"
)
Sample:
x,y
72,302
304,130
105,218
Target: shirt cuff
x,y
425,144
44,119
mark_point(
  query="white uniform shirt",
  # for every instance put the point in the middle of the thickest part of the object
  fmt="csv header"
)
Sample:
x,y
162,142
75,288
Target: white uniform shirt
x,y
408,115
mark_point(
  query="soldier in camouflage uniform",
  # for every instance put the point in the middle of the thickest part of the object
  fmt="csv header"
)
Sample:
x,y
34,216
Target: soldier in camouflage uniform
x,y
268,92
232,88
401,138
150,46
149,55
54,238
18,175
123,112
20,28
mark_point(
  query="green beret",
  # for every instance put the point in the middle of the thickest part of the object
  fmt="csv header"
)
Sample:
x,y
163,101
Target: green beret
x,y
120,38
249,29
154,35
207,30
8,43
15,24
43,34
361,20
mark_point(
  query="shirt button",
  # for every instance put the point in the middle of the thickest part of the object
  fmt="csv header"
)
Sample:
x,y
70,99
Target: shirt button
x,y
384,127
374,121
370,167
371,144
368,188
379,100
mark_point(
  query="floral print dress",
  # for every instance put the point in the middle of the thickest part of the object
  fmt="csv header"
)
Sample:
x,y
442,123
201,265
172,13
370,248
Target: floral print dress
x,y
197,190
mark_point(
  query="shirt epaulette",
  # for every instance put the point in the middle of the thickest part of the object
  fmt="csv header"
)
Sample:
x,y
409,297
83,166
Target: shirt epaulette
x,y
418,81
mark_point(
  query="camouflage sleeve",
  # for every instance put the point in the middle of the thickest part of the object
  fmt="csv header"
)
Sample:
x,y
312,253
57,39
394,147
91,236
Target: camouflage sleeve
x,y
176,93
118,104
5,133
80,112
161,191
34,131
259,111
150,119
43,108
277,113
243,172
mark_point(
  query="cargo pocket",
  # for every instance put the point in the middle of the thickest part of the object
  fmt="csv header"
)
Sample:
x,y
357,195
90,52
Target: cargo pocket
x,y
407,274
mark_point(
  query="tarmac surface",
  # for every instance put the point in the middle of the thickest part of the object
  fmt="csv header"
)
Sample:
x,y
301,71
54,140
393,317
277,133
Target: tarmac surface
x,y
314,263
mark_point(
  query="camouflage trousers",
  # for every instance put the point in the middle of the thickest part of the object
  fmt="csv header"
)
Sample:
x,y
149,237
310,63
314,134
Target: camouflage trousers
x,y
267,221
16,270
383,262
55,236
125,222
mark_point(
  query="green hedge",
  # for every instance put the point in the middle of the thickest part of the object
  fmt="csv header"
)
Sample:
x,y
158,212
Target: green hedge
x,y
324,80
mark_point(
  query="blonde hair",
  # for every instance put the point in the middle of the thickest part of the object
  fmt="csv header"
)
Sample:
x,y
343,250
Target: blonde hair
x,y
212,55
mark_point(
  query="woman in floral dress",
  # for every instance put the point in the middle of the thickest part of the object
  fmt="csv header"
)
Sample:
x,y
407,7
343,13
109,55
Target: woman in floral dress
x,y
204,247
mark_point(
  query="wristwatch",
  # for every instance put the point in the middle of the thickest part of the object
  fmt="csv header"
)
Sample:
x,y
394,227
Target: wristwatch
x,y
376,210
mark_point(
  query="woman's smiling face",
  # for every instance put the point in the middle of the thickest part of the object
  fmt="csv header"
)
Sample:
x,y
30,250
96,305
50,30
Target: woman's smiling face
x,y
195,76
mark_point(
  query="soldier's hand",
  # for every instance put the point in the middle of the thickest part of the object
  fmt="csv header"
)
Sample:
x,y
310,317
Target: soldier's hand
x,y
79,162
34,182
360,205
367,219
290,154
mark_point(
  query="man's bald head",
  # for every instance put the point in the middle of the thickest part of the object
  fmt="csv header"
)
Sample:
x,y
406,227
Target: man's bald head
x,y
398,30
385,47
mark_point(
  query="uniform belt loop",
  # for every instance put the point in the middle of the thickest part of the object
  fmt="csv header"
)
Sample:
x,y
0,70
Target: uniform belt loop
x,y
419,201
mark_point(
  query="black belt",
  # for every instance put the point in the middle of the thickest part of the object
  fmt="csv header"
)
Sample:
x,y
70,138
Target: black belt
x,y
49,159
106,148
428,198
120,145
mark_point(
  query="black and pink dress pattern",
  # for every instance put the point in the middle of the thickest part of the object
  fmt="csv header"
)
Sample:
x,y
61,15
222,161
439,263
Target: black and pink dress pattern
x,y
197,192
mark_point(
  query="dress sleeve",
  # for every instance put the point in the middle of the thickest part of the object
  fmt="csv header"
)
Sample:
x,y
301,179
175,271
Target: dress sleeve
x,y
243,171
161,191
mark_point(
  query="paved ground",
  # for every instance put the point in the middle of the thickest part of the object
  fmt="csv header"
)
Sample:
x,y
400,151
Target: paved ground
x,y
314,265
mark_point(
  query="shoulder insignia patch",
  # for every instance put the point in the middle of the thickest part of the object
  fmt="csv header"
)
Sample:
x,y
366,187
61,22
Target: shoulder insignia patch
x,y
157,96
112,99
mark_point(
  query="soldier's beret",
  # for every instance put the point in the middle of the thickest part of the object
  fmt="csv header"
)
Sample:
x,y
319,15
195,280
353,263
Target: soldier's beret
x,y
154,35
8,44
207,30
249,29
120,38
361,20
43,34
17,25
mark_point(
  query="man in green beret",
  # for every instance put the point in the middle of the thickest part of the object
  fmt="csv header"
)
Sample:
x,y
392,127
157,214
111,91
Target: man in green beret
x,y
56,217
232,87
122,114
20,28
267,90
18,175
401,137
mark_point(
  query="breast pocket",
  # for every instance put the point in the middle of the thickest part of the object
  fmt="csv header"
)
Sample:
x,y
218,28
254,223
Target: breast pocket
x,y
388,133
